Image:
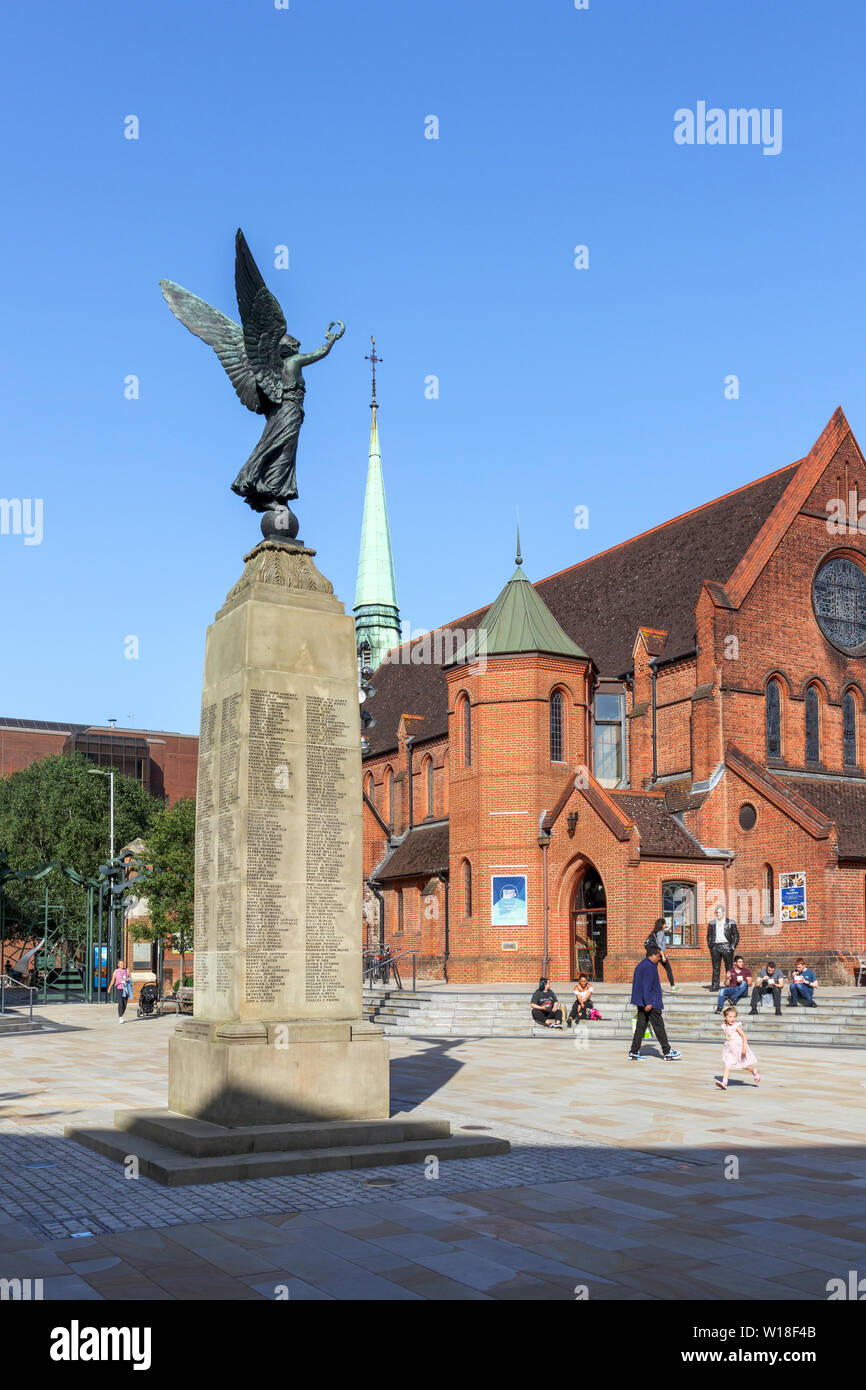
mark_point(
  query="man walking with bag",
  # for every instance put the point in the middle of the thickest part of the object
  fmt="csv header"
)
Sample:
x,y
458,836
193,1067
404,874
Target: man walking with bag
x,y
646,995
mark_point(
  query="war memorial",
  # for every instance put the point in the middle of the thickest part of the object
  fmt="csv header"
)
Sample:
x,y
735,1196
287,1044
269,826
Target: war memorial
x,y
289,1071
503,942
278,1071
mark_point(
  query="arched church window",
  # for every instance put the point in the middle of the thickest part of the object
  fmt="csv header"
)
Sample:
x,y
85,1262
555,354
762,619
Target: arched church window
x,y
389,795
813,726
466,731
773,716
768,893
428,768
467,888
849,730
679,909
368,786
557,741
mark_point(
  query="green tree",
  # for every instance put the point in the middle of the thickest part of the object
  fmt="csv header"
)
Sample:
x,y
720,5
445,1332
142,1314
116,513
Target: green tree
x,y
168,883
55,810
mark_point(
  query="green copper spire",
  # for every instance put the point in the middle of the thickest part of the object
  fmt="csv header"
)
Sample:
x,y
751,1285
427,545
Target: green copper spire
x,y
377,617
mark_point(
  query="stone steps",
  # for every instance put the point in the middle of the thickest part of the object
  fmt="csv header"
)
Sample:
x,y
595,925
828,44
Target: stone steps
x,y
176,1150
838,1020
201,1139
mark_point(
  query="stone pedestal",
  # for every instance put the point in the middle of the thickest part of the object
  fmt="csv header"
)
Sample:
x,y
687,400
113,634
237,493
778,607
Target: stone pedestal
x,y
277,1072
278,1034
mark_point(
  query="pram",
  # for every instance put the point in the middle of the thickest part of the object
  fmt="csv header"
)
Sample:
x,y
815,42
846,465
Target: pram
x,y
149,1005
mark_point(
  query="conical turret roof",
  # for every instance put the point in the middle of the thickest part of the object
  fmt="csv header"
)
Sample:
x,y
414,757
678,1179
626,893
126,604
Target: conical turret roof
x,y
519,621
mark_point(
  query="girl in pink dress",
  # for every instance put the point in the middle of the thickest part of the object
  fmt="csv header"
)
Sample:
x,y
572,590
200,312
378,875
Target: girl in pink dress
x,y
736,1054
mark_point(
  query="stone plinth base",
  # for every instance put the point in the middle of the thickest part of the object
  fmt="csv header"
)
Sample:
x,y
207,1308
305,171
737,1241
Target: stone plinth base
x,y
178,1151
257,1073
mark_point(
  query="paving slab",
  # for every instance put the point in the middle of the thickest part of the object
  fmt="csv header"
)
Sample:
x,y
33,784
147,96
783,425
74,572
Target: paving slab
x,y
619,1177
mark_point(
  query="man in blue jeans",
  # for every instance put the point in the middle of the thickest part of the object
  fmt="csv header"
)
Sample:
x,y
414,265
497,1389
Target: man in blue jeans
x,y
802,987
646,995
737,982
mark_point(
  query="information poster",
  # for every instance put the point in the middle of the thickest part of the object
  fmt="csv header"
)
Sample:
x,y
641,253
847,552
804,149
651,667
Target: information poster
x,y
792,896
508,900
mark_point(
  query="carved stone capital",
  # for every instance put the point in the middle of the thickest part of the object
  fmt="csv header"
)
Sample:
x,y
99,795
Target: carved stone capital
x,y
281,565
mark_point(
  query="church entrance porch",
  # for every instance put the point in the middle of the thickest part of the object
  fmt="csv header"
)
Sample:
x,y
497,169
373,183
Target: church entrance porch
x,y
588,925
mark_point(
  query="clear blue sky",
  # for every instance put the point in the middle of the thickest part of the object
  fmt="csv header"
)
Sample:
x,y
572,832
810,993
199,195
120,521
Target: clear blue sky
x,y
602,387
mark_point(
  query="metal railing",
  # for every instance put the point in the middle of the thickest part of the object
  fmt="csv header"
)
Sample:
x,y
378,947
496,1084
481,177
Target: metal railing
x,y
7,983
382,963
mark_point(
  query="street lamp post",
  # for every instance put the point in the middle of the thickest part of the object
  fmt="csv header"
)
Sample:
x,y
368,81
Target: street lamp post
x,y
112,945
109,773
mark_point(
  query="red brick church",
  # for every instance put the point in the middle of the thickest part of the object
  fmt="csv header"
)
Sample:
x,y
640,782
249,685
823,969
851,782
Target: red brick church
x,y
674,723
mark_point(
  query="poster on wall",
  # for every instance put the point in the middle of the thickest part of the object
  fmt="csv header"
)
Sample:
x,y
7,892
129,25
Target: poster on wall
x,y
508,900
792,896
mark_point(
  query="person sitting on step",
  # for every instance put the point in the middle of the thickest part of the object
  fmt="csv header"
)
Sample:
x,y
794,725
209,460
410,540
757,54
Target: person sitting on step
x,y
770,981
582,1000
544,1005
737,982
802,987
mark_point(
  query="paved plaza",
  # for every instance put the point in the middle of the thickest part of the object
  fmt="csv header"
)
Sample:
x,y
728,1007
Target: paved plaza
x,y
624,1181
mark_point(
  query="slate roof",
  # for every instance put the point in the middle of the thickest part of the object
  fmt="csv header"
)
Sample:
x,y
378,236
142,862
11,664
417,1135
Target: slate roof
x,y
679,799
423,852
650,581
844,803
659,833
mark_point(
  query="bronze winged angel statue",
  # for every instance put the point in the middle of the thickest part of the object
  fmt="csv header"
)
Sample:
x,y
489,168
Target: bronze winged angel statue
x,y
264,363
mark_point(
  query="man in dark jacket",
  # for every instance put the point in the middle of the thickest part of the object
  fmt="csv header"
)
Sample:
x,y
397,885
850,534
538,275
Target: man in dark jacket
x,y
646,995
723,938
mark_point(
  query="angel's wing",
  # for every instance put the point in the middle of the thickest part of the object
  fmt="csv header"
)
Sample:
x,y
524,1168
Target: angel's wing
x,y
263,321
221,333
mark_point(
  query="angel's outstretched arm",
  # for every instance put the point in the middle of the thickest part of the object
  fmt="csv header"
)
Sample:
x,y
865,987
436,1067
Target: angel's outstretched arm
x,y
304,359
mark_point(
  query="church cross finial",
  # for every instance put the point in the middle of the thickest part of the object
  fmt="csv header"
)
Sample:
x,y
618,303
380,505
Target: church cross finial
x,y
372,358
518,559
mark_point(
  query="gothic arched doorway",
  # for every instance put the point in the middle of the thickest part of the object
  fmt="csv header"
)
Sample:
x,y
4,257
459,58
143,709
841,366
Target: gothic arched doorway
x,y
588,925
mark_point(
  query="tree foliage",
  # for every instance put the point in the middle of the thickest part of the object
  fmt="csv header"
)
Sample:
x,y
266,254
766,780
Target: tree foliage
x,y
56,810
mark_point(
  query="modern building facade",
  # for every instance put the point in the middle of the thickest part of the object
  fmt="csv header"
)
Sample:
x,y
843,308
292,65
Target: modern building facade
x,y
164,763
675,723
